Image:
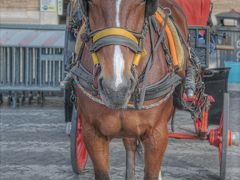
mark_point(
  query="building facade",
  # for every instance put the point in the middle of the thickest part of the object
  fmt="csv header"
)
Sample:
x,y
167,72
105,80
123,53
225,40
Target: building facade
x,y
32,11
226,5
53,11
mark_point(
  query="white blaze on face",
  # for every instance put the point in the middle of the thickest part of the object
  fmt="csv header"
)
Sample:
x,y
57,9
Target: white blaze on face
x,y
118,61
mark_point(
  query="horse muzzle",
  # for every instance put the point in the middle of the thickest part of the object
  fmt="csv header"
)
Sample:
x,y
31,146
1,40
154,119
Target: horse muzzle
x,y
116,97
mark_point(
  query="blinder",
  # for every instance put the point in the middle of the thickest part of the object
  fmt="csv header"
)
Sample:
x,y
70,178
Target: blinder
x,y
151,7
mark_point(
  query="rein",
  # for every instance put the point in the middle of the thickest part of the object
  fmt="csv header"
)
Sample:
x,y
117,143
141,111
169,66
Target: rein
x,y
118,36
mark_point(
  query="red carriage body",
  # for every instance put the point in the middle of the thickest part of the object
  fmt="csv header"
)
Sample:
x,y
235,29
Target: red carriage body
x,y
196,11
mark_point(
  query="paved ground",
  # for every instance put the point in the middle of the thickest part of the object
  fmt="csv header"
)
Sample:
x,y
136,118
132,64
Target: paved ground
x,y
33,146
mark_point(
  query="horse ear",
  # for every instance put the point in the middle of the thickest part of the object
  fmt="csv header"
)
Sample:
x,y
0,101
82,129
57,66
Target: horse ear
x,y
151,7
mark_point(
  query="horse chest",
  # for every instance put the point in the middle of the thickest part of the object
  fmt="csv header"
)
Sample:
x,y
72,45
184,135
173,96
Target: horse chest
x,y
121,124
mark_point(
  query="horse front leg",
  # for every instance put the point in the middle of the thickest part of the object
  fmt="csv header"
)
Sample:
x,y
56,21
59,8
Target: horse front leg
x,y
155,144
130,147
98,150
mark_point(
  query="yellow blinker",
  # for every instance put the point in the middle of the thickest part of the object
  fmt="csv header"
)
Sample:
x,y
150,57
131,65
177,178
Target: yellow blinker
x,y
95,59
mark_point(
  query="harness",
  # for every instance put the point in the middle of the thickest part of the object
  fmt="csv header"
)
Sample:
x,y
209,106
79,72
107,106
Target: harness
x,y
98,39
117,36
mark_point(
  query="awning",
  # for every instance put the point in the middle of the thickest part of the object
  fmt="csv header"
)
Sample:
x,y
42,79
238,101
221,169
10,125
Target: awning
x,y
230,15
196,11
32,36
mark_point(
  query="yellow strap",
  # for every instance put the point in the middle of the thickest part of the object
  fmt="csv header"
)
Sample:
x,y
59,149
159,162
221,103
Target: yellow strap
x,y
138,57
172,46
136,60
117,32
144,53
114,32
95,59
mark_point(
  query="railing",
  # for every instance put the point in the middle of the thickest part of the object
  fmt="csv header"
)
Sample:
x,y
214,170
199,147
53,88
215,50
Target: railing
x,y
31,68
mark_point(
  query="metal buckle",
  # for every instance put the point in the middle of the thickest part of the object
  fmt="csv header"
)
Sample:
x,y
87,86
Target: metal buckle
x,y
73,97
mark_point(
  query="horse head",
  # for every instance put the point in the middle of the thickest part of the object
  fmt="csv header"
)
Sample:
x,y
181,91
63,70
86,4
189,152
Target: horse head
x,y
116,46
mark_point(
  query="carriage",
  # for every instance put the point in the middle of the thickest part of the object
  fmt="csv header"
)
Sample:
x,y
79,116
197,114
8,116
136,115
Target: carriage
x,y
200,36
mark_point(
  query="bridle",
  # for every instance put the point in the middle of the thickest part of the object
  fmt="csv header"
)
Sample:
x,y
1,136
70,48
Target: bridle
x,y
98,39
113,36
117,36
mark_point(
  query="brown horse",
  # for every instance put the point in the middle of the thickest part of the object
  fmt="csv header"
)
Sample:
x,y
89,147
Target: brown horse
x,y
116,82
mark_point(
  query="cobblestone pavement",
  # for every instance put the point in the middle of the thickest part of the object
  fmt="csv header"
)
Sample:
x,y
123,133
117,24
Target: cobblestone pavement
x,y
33,146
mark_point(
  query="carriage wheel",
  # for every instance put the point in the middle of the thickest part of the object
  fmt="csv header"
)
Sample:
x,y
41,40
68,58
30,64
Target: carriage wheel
x,y
78,151
224,125
68,105
222,137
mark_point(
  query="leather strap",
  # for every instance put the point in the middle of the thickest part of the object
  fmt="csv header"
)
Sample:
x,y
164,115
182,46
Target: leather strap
x,y
171,43
116,40
162,87
84,78
157,90
114,32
